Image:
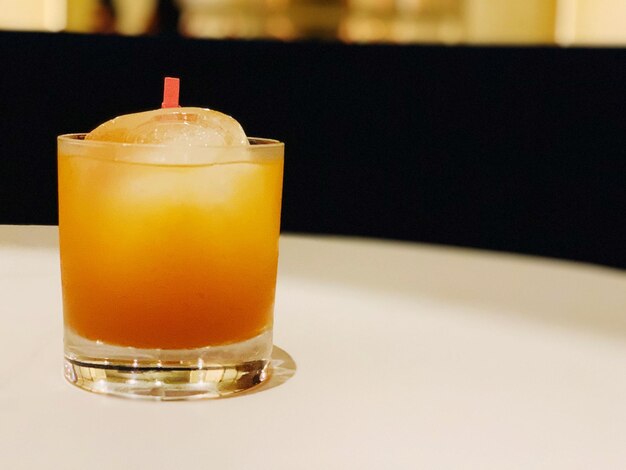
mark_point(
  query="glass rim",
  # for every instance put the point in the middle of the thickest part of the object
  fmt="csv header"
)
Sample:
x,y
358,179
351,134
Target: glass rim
x,y
78,138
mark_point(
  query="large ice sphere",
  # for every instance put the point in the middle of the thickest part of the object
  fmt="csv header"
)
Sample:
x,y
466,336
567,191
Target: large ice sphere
x,y
172,126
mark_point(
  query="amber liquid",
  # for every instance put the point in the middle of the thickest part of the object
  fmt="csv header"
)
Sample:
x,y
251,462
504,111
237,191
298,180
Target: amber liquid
x,y
170,257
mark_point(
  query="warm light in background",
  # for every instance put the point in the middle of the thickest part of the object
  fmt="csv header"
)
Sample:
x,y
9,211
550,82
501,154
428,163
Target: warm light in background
x,y
593,21
510,21
565,22
33,15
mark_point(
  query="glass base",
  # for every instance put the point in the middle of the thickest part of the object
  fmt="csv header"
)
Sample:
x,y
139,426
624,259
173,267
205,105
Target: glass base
x,y
166,374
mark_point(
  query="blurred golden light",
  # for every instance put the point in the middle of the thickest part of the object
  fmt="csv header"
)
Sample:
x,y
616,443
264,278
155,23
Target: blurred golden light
x,y
33,15
564,22
510,21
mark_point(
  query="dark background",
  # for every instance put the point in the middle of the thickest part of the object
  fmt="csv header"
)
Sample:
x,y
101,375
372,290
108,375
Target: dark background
x,y
516,149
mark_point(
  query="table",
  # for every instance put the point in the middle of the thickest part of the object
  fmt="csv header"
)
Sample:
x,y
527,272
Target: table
x,y
406,356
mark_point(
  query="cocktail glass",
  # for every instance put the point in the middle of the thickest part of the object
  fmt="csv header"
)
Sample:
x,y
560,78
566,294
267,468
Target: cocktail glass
x,y
168,264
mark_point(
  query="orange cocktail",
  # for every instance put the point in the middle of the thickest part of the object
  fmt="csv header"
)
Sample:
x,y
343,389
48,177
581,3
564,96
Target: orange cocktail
x,y
168,256
168,226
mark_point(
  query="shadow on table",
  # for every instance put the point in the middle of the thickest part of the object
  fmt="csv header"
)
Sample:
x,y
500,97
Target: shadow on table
x,y
559,292
282,368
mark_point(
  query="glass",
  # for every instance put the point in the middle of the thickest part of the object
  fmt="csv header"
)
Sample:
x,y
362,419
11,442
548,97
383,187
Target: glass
x,y
168,269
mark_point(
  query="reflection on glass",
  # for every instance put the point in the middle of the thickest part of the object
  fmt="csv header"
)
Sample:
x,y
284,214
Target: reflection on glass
x,y
395,21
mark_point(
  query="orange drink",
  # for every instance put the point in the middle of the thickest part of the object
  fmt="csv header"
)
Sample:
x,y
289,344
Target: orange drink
x,y
168,261
169,257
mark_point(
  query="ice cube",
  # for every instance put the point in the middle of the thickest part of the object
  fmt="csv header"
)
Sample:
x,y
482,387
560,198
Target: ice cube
x,y
173,126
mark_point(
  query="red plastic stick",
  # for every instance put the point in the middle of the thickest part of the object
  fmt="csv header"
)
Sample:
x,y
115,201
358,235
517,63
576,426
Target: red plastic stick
x,y
171,89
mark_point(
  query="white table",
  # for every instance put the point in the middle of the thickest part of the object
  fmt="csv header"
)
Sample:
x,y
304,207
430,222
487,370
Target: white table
x,y
408,356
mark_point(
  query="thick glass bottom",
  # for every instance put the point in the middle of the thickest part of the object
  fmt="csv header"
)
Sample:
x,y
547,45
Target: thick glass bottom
x,y
166,374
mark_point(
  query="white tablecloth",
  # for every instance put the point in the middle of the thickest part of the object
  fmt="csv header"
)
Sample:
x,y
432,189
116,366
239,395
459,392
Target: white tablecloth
x,y
408,356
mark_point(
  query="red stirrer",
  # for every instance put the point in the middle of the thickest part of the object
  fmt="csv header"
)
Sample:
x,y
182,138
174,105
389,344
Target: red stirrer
x,y
171,87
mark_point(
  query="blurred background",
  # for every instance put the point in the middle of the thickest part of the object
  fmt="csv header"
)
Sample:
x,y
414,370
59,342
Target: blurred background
x,y
561,22
495,124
